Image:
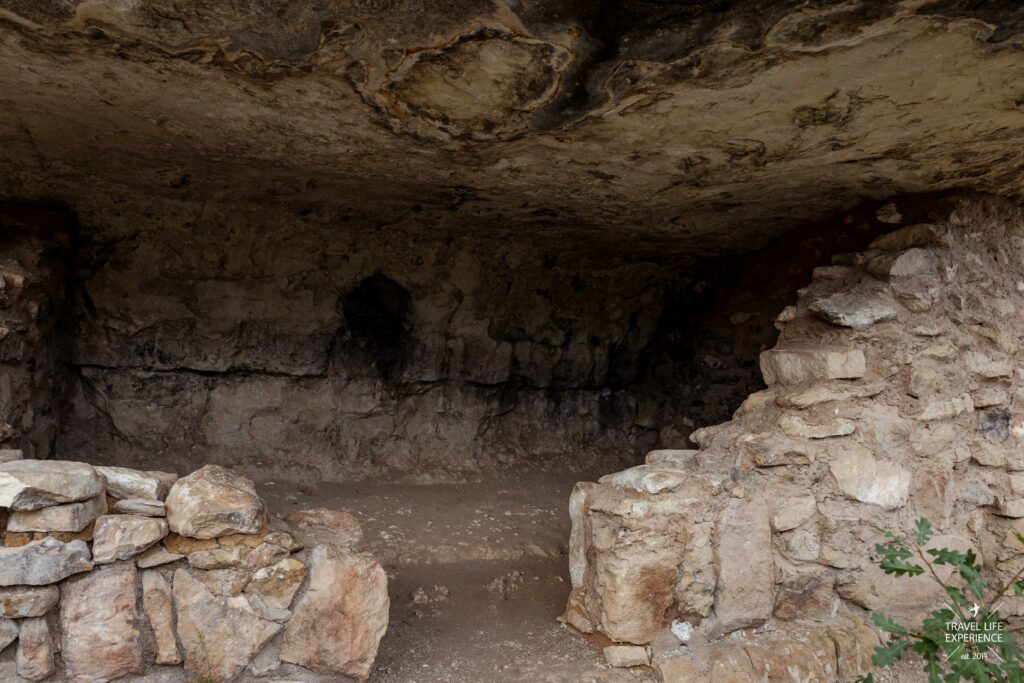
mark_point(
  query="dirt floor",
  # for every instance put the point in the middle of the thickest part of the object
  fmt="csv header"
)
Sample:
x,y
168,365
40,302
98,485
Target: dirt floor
x,y
478,575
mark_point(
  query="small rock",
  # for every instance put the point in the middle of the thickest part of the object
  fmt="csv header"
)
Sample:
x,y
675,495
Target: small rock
x,y
218,558
912,263
1010,507
264,555
986,367
214,501
41,563
796,425
226,583
277,584
325,526
118,537
646,479
347,594
813,364
791,513
186,546
34,484
283,539
682,630
990,396
156,556
946,409
98,618
156,603
918,235
855,308
774,450
888,213
72,517
19,602
805,596
124,482
995,424
8,632
624,656
35,649
827,393
860,476
140,506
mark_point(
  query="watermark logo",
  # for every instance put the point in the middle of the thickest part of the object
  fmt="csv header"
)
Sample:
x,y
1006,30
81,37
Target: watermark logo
x,y
966,633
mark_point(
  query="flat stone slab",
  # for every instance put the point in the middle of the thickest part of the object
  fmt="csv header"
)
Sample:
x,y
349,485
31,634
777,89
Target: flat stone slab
x,y
118,537
36,484
44,562
70,517
141,506
124,482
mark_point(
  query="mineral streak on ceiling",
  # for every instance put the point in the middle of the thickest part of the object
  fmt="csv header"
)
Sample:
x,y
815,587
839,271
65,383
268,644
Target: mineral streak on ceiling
x,y
700,126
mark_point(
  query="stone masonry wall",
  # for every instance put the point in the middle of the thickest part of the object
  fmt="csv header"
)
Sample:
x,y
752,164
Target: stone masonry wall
x,y
893,393
110,573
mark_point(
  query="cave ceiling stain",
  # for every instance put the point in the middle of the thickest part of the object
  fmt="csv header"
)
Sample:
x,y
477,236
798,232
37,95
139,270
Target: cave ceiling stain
x,y
707,124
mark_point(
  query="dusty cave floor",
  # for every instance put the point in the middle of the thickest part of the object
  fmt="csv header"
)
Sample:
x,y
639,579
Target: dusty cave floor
x,y
478,576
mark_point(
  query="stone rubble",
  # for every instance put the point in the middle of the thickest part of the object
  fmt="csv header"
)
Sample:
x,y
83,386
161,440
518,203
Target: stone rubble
x,y
130,594
893,393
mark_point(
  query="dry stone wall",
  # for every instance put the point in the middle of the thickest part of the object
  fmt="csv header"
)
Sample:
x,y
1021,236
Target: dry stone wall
x,y
893,393
110,572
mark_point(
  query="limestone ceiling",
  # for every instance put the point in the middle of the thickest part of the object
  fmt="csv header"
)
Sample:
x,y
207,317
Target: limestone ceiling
x,y
707,125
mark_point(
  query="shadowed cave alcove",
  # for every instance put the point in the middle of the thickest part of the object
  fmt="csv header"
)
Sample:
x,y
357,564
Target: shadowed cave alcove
x,y
317,346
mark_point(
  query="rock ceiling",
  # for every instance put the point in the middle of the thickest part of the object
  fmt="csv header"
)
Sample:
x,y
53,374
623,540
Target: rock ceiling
x,y
705,125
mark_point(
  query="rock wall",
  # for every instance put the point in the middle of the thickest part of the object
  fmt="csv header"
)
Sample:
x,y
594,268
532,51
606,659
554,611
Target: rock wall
x,y
109,572
34,327
326,343
893,393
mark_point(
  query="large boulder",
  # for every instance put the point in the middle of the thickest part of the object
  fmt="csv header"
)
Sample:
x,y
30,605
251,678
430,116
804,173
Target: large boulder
x,y
35,484
118,537
99,621
338,623
41,563
124,482
219,635
214,501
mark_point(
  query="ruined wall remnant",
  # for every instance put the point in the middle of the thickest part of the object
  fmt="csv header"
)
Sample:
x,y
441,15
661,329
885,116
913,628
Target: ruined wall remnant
x,y
893,394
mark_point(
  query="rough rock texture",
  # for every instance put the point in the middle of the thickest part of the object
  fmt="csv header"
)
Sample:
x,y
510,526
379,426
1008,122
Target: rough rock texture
x,y
71,517
218,636
35,484
339,621
43,562
793,519
18,602
124,482
35,649
156,602
626,120
214,501
119,537
99,625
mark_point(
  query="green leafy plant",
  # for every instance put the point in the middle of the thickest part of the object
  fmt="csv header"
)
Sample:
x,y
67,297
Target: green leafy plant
x,y
965,640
